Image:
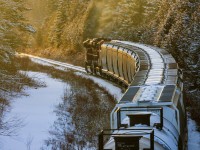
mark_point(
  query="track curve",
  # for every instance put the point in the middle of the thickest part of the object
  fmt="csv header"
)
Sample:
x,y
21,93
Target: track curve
x,y
53,62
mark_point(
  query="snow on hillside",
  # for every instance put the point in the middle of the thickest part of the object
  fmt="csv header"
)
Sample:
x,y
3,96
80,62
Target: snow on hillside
x,y
36,112
193,135
112,89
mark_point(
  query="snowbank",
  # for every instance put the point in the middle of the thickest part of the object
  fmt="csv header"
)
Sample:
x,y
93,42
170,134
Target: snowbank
x,y
193,135
36,112
112,89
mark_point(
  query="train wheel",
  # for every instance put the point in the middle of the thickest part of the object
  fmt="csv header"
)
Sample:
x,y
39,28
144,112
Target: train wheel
x,y
94,70
100,71
86,67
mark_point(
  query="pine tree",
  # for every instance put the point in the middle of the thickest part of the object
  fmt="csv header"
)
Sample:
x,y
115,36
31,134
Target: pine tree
x,y
127,19
52,5
108,21
132,13
61,19
13,29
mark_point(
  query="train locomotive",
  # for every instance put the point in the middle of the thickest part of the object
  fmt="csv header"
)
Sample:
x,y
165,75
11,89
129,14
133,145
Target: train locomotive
x,y
151,114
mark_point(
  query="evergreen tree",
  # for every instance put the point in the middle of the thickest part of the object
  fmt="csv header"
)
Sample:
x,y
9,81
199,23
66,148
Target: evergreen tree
x,y
13,27
108,21
12,35
127,19
131,16
13,31
52,5
61,19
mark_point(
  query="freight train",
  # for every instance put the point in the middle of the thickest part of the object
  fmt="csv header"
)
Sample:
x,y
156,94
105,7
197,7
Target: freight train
x,y
151,114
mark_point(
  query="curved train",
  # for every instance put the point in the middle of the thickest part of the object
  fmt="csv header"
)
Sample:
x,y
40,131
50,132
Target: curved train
x,y
151,114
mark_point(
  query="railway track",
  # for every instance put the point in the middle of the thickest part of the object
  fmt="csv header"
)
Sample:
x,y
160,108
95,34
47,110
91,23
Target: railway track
x,y
53,62
113,89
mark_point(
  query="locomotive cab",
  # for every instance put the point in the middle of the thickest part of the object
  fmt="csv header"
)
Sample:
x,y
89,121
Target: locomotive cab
x,y
92,56
92,64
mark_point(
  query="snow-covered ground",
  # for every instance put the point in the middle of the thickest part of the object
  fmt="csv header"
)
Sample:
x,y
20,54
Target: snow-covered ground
x,y
36,112
111,88
193,135
50,62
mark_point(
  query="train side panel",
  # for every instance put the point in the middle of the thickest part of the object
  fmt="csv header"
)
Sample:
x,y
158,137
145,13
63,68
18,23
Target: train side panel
x,y
125,61
120,62
114,61
109,58
102,55
129,66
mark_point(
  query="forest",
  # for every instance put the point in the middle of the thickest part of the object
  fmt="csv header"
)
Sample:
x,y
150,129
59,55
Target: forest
x,y
57,28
